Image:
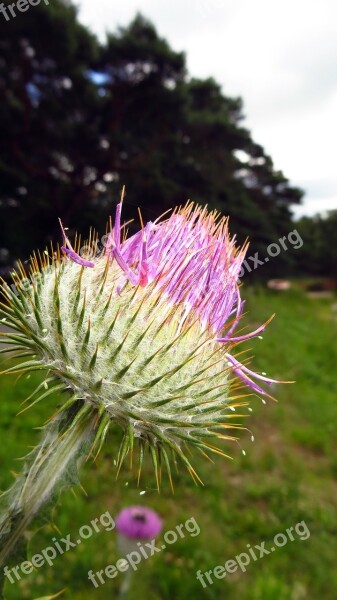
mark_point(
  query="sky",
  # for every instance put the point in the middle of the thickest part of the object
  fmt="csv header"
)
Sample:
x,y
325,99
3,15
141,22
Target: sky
x,y
280,57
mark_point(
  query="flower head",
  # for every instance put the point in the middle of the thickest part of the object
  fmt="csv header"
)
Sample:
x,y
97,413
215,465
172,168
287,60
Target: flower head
x,y
138,522
142,334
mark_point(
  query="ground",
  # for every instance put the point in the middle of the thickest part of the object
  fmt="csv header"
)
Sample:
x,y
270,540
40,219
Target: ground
x,y
288,475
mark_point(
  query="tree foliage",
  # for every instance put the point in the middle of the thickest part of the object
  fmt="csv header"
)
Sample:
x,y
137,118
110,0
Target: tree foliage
x,y
319,235
81,118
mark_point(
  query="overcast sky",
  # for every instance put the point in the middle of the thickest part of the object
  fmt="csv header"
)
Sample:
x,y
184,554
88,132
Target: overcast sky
x,y
280,56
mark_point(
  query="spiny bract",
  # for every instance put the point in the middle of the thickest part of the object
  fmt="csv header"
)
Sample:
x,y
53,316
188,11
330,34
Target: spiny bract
x,y
140,333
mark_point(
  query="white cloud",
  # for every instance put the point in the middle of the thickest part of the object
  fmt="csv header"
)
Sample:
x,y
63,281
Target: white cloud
x,y
281,57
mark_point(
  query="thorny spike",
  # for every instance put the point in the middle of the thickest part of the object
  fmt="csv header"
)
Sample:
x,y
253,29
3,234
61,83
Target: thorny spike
x,y
155,463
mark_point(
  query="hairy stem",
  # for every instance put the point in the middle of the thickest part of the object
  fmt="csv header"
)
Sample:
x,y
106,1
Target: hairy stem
x,y
48,468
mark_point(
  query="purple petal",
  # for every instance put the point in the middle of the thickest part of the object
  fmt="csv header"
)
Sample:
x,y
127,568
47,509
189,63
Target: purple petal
x,y
77,258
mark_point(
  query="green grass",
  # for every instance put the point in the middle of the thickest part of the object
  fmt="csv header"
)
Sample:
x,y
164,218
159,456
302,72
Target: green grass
x,y
288,475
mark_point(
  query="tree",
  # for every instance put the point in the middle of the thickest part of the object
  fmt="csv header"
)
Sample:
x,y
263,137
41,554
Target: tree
x,y
319,235
81,119
47,138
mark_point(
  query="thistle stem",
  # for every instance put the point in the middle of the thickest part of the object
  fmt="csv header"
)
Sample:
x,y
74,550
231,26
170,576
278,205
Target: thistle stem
x,y
65,439
125,587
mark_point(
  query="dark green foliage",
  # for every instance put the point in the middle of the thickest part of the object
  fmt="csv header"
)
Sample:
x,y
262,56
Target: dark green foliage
x,y
79,119
319,235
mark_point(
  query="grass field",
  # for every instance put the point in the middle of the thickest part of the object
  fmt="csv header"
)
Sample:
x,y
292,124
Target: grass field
x,y
288,475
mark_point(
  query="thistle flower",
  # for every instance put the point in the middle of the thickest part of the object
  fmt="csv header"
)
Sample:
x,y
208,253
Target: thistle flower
x,y
135,524
140,335
138,523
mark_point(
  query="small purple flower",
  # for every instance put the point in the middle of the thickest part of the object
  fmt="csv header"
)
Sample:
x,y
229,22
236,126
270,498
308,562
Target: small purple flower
x,y
138,522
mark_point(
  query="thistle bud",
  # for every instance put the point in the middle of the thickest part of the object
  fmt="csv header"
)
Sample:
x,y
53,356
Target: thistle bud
x,y
140,335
